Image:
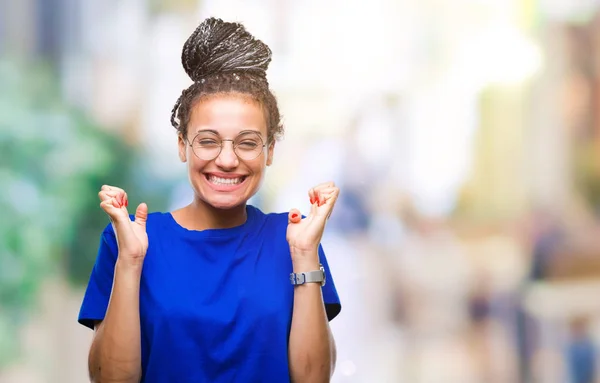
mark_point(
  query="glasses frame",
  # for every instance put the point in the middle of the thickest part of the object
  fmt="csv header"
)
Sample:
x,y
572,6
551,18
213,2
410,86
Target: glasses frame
x,y
222,141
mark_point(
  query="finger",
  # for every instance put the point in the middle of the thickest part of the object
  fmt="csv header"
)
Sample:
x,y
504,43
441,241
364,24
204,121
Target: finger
x,y
314,208
312,196
313,193
113,209
294,216
331,202
118,194
103,196
328,204
324,185
141,214
108,194
324,194
112,188
107,204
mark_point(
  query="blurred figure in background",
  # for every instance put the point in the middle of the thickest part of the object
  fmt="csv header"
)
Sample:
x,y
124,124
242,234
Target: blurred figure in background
x,y
582,355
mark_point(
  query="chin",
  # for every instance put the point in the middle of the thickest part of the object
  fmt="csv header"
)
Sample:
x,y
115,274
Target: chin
x,y
224,202
224,205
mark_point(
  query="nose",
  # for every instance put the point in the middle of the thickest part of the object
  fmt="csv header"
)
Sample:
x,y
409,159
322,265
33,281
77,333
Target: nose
x,y
227,159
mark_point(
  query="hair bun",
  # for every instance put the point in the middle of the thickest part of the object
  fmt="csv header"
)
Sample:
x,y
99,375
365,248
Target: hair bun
x,y
217,46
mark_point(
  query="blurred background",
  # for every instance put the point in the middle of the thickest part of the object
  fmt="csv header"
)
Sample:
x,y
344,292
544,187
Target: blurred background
x,y
464,134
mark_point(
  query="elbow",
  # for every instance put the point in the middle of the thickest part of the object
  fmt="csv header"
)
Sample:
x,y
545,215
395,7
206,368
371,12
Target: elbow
x,y
96,376
311,367
101,371
106,366
308,370
317,375
332,355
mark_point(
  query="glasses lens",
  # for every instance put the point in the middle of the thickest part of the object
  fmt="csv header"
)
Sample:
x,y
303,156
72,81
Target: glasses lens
x,y
206,146
248,146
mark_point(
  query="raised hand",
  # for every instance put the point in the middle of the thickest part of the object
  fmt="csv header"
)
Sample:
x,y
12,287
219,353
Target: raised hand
x,y
304,235
131,235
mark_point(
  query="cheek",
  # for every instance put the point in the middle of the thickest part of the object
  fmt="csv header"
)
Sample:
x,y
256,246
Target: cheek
x,y
258,167
195,165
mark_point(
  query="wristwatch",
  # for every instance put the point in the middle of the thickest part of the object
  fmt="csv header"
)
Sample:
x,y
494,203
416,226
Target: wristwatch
x,y
317,276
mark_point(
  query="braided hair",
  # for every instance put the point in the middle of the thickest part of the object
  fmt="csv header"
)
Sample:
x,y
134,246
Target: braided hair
x,y
222,57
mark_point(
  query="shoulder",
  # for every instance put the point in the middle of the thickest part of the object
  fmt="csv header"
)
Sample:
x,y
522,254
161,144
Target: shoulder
x,y
268,225
157,218
268,219
269,229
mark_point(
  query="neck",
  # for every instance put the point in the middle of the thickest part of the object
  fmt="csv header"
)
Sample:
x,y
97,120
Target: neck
x,y
201,216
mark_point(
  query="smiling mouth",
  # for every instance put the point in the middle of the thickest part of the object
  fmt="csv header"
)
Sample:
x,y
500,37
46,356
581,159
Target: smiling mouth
x,y
224,181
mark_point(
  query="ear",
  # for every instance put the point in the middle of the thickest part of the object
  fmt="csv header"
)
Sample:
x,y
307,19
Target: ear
x,y
270,151
182,144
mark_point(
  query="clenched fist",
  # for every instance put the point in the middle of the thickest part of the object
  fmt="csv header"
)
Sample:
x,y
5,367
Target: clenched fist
x,y
131,235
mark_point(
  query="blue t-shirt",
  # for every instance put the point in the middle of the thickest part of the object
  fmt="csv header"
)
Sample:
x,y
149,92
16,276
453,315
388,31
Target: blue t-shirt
x,y
215,305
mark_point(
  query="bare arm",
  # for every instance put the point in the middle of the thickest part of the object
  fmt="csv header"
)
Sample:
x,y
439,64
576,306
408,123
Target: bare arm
x,y
312,353
115,354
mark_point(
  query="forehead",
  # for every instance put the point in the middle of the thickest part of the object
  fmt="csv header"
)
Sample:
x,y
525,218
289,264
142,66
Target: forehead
x,y
227,114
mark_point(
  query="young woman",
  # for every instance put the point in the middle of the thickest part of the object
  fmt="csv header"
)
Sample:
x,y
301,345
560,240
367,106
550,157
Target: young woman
x,y
217,291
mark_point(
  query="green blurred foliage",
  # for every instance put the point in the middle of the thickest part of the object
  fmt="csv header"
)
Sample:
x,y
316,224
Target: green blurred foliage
x,y
164,6
53,161
587,172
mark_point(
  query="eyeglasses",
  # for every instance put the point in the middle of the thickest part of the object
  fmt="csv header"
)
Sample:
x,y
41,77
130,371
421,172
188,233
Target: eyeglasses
x,y
208,145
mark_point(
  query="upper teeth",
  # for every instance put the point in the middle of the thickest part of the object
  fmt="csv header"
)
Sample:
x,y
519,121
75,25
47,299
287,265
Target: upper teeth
x,y
224,181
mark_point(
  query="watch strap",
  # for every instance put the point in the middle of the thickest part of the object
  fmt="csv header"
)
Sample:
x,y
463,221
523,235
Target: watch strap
x,y
316,276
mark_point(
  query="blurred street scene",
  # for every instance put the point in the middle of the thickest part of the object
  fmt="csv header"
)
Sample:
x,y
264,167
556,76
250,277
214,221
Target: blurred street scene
x,y
464,135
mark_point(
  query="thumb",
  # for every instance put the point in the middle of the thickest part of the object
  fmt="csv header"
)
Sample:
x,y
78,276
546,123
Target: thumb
x,y
294,216
141,214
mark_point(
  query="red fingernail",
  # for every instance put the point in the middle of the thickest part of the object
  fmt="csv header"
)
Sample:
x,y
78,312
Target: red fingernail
x,y
294,215
312,200
126,203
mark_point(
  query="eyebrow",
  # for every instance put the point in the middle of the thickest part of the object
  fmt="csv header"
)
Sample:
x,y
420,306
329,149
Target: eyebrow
x,y
217,133
207,131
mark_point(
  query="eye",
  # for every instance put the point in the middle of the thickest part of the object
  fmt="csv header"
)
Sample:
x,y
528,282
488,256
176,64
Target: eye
x,y
248,144
207,142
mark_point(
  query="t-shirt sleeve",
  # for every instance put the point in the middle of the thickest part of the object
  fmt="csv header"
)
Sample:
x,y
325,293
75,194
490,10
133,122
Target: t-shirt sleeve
x,y
331,298
97,294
